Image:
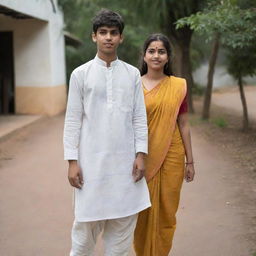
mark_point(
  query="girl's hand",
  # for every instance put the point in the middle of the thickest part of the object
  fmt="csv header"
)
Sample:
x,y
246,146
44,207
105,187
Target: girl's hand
x,y
189,172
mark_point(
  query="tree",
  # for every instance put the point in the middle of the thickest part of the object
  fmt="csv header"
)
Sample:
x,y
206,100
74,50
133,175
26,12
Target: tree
x,y
226,23
242,64
205,22
164,14
78,15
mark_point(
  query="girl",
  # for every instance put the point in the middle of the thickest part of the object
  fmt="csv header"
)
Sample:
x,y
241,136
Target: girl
x,y
169,143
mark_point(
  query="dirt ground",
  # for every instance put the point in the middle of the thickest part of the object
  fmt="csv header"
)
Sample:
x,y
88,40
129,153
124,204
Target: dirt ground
x,y
217,214
232,166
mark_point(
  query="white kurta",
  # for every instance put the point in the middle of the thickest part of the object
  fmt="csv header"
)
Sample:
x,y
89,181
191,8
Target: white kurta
x,y
105,126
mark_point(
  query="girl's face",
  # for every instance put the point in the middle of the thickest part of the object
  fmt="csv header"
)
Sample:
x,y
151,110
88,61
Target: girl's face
x,y
156,56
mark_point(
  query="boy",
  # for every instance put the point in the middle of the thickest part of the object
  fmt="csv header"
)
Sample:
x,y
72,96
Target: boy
x,y
105,139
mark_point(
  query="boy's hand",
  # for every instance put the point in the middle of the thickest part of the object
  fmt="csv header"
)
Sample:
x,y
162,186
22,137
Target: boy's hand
x,y
75,174
138,167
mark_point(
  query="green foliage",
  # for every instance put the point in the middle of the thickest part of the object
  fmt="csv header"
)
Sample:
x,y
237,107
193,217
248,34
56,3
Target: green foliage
x,y
220,122
78,15
242,62
76,57
198,89
164,13
236,26
199,50
237,29
245,4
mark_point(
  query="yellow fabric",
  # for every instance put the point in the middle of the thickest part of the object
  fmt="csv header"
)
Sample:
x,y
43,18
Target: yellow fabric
x,y
164,168
163,104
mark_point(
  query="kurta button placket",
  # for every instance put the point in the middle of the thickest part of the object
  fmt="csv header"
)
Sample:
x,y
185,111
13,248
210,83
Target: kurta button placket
x,y
109,88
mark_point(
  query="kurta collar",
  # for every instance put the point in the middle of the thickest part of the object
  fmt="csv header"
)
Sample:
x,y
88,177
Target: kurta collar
x,y
104,63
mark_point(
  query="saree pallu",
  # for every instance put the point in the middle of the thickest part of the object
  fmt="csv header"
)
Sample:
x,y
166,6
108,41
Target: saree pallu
x,y
164,168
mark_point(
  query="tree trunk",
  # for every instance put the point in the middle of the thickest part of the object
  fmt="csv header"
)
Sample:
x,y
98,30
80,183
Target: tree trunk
x,y
181,65
176,60
208,92
187,74
243,99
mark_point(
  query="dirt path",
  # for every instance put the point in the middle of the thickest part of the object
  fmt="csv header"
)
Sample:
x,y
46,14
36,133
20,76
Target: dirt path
x,y
35,199
230,99
214,215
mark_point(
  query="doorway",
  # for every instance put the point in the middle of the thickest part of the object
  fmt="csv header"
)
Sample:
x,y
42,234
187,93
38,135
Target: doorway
x,y
7,94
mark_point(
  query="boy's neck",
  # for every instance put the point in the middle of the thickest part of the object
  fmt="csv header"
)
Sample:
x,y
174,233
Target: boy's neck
x,y
108,58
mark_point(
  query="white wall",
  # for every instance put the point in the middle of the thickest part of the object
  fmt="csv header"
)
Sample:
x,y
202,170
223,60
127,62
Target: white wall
x,y
32,65
39,51
57,49
36,8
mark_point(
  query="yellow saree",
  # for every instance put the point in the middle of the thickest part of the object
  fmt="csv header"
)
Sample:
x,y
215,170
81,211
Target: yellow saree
x,y
164,168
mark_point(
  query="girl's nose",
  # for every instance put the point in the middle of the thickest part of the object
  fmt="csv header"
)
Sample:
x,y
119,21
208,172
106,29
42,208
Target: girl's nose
x,y
156,54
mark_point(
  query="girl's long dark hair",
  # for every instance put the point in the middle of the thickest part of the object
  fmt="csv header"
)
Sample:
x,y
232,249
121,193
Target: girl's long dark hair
x,y
156,37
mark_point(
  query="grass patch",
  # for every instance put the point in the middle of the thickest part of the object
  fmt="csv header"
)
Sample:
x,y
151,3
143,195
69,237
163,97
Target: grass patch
x,y
220,122
254,254
195,119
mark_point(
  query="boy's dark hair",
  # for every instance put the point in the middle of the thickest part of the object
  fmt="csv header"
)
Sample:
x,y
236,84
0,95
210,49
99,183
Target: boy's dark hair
x,y
107,18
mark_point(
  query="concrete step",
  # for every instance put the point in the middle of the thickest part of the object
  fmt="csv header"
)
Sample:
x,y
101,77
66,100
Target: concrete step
x,y
11,123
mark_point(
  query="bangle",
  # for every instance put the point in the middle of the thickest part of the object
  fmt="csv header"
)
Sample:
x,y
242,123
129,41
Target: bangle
x,y
189,163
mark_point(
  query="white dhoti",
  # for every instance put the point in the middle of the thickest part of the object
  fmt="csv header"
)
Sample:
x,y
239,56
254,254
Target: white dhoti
x,y
117,236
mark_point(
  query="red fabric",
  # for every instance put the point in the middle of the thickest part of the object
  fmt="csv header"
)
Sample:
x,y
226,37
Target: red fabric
x,y
184,106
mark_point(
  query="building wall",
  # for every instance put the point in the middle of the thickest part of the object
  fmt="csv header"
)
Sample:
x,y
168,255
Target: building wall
x,y
32,63
49,100
39,57
39,9
57,49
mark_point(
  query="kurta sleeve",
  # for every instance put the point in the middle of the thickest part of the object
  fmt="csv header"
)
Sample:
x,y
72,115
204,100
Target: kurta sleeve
x,y
140,118
73,119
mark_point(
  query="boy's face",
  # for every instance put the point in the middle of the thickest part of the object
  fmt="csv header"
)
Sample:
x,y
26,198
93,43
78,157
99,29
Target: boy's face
x,y
107,39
